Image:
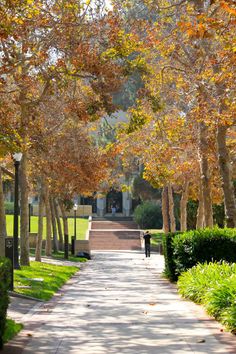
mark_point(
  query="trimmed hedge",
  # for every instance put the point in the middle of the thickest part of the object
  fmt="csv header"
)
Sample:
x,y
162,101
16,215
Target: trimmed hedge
x,y
214,286
184,250
9,207
168,251
5,278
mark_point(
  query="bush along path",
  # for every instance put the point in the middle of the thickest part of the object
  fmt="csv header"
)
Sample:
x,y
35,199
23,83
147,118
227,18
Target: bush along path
x,y
4,298
188,259
118,304
182,251
214,286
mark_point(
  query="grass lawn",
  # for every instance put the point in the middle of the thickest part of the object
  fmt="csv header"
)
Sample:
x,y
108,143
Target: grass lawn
x,y
81,226
156,236
12,328
42,280
60,255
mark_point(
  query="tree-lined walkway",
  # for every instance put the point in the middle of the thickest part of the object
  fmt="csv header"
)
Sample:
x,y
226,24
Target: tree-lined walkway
x,y
120,304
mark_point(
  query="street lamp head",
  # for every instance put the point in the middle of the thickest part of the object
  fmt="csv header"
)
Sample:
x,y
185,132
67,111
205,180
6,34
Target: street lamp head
x,y
75,207
17,156
30,200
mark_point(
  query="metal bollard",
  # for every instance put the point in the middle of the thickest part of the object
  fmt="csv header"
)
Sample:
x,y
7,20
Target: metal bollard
x,y
72,245
66,252
9,254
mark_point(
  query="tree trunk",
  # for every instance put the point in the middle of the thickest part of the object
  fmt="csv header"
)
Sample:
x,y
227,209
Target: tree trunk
x,y
183,207
165,210
24,212
226,174
171,209
3,228
64,218
48,248
54,226
200,212
59,228
38,250
205,179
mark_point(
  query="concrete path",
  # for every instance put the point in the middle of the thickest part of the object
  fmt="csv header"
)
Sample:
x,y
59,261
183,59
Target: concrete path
x,y
120,304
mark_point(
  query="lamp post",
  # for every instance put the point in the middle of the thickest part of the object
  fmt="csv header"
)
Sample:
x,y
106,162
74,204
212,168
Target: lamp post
x,y
30,200
17,158
75,209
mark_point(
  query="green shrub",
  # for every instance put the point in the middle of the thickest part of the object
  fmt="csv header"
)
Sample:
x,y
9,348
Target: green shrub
x,y
192,207
221,296
12,328
219,214
206,245
5,276
148,215
214,286
228,317
168,251
9,207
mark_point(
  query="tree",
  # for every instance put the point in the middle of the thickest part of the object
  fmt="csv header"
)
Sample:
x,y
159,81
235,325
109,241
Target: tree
x,y
186,57
47,48
3,230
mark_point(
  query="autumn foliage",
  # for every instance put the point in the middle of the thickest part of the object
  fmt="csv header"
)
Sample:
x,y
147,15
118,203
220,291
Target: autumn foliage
x,y
181,127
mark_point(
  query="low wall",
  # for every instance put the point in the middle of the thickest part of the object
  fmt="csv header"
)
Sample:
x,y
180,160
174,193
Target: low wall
x,y
82,246
32,239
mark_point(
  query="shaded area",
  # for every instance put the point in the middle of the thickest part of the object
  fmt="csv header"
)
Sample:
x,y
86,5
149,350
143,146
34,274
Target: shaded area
x,y
120,304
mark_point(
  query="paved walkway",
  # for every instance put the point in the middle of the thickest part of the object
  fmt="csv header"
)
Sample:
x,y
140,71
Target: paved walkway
x,y
120,304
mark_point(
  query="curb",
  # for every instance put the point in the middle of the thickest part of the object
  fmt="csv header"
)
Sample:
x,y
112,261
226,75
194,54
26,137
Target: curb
x,y
21,296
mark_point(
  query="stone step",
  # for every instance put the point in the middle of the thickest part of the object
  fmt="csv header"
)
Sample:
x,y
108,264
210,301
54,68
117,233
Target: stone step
x,y
116,248
113,218
104,234
126,244
106,225
114,235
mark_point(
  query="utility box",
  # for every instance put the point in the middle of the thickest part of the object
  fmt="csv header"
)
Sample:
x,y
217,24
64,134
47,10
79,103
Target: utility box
x,y
81,246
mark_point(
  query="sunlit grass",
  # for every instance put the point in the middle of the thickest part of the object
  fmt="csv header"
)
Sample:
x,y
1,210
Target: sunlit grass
x,y
81,226
156,236
60,255
42,280
12,328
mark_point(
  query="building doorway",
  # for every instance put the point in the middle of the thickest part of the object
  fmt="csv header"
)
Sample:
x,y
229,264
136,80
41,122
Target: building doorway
x,y
90,201
114,198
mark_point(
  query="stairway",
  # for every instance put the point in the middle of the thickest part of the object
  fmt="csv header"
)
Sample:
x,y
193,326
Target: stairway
x,y
114,235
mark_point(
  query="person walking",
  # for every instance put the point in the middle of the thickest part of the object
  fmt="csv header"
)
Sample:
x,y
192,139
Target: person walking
x,y
147,242
113,209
